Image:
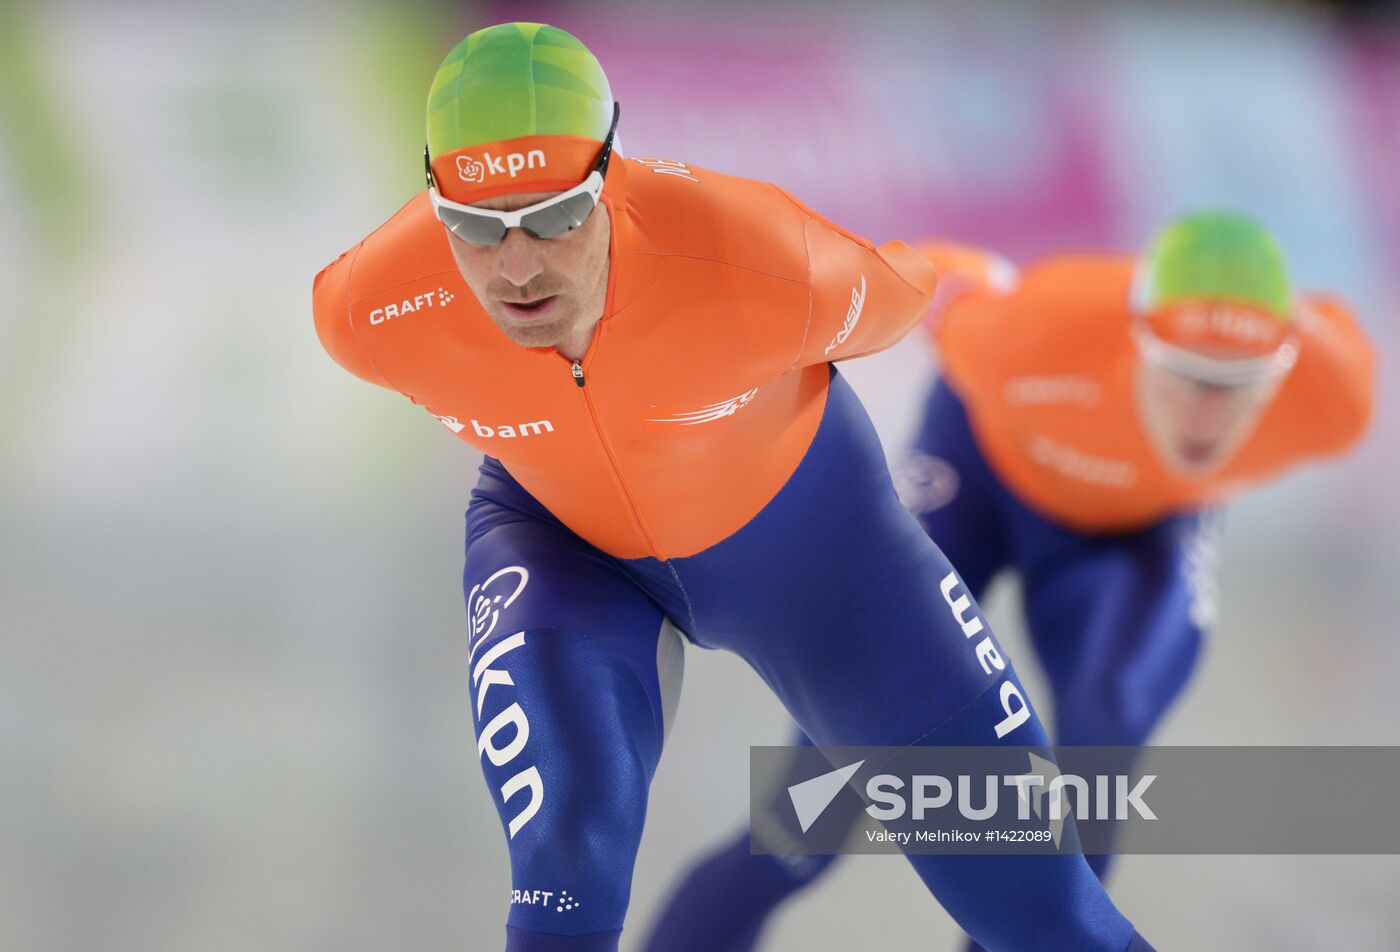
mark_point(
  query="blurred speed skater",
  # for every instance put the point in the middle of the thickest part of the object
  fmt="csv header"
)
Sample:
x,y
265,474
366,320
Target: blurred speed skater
x,y
1092,415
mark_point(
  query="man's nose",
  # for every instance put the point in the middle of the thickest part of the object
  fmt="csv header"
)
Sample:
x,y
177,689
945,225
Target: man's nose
x,y
1210,406
520,260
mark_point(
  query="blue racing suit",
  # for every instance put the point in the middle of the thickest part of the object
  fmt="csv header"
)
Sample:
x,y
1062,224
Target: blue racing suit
x,y
831,593
1116,620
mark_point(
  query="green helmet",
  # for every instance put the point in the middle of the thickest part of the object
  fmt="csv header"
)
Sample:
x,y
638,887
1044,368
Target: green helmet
x,y
514,80
1215,255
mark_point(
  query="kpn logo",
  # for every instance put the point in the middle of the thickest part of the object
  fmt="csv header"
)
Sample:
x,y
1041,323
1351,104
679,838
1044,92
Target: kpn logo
x,y
474,170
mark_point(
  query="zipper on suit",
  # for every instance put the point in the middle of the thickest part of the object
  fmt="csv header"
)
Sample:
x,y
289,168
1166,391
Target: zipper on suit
x,y
580,381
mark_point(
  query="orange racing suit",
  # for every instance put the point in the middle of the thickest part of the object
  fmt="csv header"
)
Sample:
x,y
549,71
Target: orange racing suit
x,y
706,377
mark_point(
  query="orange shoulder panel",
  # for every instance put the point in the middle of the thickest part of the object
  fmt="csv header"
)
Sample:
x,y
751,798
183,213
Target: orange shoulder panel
x,y
864,298
964,269
969,267
1065,316
1327,401
330,303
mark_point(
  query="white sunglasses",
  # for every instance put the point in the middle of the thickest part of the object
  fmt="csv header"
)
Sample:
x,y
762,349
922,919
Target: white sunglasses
x,y
1215,371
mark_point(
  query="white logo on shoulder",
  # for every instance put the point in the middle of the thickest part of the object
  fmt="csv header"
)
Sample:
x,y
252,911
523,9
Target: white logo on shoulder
x,y
710,412
669,167
419,302
852,317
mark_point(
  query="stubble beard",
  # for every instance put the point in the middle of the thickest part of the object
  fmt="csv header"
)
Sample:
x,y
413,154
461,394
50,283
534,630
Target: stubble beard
x,y
543,333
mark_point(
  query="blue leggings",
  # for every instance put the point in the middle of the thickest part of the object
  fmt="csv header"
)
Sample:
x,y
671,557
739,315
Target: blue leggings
x,y
831,593
1116,620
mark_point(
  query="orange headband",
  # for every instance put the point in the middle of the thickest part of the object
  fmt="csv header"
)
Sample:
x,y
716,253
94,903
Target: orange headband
x,y
1230,327
527,164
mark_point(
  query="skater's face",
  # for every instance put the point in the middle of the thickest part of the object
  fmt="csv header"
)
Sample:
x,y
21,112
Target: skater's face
x,y
1195,426
540,293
